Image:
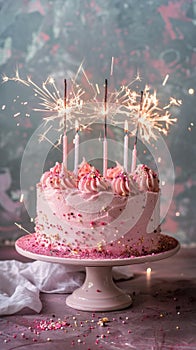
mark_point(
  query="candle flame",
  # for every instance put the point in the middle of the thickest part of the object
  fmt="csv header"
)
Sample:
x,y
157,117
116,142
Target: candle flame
x,y
77,128
126,128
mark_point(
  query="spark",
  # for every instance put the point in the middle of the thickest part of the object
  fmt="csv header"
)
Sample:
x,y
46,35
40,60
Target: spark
x,y
165,80
44,137
116,101
191,91
21,197
16,114
152,118
97,88
122,104
21,227
51,102
112,66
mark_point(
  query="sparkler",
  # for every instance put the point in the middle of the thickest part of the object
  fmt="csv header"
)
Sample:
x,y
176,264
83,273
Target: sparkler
x,y
105,143
153,119
65,127
105,108
116,102
52,104
122,104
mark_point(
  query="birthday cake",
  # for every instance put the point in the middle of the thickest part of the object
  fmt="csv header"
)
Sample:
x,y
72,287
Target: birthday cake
x,y
91,216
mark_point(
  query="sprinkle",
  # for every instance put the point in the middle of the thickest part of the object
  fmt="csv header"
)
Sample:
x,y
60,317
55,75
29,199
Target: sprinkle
x,y
102,322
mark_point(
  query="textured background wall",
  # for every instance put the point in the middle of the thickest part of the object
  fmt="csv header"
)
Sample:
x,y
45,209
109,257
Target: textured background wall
x,y
41,38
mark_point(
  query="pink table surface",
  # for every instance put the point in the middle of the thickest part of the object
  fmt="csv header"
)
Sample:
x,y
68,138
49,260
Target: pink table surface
x,y
163,314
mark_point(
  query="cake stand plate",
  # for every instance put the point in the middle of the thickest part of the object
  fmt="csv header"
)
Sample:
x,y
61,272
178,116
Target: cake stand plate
x,y
98,292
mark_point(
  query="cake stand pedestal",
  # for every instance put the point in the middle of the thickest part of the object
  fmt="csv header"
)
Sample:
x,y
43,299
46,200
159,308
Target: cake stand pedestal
x,y
98,292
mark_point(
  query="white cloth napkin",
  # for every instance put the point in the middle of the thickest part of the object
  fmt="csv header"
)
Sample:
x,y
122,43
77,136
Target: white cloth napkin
x,y
21,283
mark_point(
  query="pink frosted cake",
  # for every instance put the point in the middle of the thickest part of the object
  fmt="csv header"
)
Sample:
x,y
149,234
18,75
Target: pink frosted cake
x,y
89,216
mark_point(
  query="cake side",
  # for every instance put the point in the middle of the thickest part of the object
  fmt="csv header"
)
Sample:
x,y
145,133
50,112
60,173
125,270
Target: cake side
x,y
116,216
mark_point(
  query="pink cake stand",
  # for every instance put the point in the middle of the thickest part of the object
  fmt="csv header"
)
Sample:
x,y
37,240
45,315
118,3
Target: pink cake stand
x,y
99,292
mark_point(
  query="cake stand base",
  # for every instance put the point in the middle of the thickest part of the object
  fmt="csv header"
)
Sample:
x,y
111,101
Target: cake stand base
x,y
99,292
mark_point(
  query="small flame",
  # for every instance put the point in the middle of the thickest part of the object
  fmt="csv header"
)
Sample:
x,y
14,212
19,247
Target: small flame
x,y
77,127
126,128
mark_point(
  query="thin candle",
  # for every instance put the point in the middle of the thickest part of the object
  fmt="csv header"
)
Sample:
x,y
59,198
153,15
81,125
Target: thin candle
x,y
134,152
65,127
105,108
105,144
126,145
76,141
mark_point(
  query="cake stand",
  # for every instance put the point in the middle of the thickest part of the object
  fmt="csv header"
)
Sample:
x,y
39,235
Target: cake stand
x,y
98,292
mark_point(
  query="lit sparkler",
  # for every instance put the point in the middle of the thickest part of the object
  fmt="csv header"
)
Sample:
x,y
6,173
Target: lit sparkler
x,y
52,104
122,104
152,118
116,102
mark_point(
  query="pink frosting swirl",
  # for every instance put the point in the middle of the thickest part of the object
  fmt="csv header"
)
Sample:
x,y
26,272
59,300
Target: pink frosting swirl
x,y
85,168
93,182
146,179
58,178
113,172
121,184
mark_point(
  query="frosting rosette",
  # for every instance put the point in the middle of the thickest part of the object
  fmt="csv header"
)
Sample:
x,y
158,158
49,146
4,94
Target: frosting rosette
x,y
58,178
85,168
93,182
115,171
121,184
146,179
